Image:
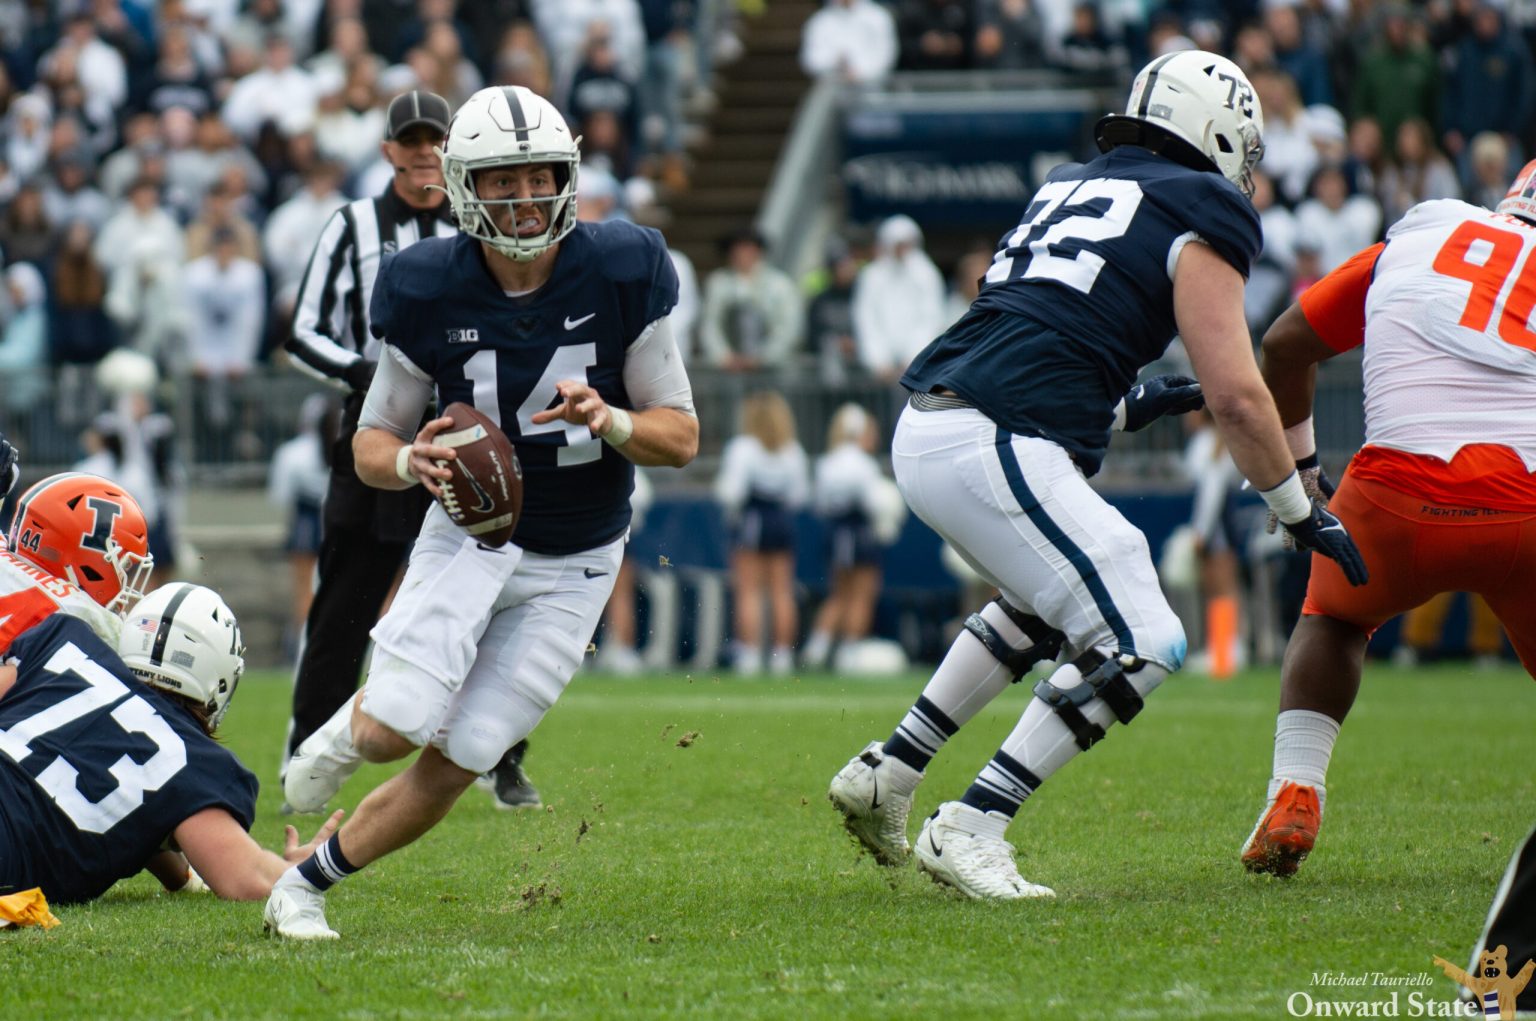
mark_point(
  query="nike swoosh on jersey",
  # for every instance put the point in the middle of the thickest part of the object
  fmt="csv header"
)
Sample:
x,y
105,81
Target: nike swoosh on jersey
x,y
571,324
593,574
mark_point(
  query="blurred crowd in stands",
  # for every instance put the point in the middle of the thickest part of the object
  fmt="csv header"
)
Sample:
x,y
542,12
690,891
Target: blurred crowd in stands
x,y
166,166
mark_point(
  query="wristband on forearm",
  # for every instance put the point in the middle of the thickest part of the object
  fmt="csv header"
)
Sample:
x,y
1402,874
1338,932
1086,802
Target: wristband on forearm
x,y
622,427
1289,500
403,465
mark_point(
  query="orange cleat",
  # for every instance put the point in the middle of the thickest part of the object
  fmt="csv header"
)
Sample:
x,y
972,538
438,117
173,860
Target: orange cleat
x,y
1285,833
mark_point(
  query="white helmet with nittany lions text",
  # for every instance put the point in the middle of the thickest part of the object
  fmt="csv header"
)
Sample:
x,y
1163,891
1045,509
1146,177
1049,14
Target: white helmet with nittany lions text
x,y
1193,100
184,639
504,126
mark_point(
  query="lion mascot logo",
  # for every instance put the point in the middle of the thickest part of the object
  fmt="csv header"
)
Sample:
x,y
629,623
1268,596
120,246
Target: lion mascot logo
x,y
1493,985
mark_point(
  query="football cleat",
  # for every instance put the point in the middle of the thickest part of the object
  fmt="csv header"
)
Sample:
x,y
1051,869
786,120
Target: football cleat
x,y
325,761
874,795
963,848
509,784
1286,832
296,912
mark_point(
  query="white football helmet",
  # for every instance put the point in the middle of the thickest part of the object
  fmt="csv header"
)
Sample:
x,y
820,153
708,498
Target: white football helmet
x,y
1196,98
500,126
184,639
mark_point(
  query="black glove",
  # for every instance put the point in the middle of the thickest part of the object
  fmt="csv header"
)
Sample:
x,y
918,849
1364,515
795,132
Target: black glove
x,y
1318,486
10,467
359,374
1161,395
1323,533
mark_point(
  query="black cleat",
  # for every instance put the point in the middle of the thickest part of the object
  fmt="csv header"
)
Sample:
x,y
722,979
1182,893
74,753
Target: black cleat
x,y
508,784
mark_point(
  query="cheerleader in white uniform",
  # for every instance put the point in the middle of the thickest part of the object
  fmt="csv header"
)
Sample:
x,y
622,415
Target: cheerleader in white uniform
x,y
763,481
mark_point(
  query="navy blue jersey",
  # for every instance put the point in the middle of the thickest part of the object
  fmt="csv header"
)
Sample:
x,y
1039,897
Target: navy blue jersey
x,y
437,302
97,768
1079,297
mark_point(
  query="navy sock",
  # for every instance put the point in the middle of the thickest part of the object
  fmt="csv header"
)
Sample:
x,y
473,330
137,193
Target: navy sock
x,y
327,866
1002,786
920,735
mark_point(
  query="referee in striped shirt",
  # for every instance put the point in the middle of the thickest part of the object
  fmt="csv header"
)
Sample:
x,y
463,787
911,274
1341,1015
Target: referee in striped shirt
x,y
367,532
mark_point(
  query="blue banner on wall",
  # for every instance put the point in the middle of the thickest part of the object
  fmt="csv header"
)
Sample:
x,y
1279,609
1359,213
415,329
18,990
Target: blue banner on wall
x,y
958,168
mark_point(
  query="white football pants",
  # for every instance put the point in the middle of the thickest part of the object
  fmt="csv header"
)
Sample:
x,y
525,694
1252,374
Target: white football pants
x,y
479,643
1020,513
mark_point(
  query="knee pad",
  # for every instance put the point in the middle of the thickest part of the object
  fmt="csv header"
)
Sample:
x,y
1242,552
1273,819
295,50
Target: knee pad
x,y
1120,682
475,747
1041,640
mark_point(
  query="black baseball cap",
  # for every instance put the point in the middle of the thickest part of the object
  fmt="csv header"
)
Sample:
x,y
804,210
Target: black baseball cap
x,y
416,107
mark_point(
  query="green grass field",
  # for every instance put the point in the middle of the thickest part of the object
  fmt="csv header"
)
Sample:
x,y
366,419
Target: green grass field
x,y
713,880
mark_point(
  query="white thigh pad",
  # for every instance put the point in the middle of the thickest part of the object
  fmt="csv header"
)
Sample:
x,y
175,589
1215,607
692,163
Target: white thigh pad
x,y
444,603
527,655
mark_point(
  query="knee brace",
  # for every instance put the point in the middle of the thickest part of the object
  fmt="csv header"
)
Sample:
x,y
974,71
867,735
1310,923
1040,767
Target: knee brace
x,y
1045,641
1102,677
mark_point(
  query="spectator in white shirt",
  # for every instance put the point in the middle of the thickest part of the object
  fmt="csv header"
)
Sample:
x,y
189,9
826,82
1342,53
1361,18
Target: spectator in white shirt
x,y
26,128
852,40
753,312
100,69
1334,222
226,300
898,300
1289,155
565,24
141,222
293,228
763,481
277,92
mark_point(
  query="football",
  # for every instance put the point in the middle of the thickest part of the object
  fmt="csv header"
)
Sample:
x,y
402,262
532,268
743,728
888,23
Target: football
x,y
485,495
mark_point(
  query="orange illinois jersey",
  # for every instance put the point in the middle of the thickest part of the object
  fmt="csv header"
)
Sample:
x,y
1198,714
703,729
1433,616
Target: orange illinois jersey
x,y
1444,310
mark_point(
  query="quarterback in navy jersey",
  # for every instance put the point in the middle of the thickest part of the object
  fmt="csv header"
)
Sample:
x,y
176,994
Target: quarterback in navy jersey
x,y
1011,410
558,331
106,758
448,319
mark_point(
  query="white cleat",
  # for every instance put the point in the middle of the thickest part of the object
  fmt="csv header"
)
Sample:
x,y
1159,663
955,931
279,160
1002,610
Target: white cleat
x,y
963,847
325,761
874,795
296,912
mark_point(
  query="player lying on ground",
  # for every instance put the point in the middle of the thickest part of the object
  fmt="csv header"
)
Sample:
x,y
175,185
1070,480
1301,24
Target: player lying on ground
x,y
558,332
1441,497
1011,410
107,760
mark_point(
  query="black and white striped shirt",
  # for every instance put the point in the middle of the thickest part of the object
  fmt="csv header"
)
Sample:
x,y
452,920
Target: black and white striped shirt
x,y
330,318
